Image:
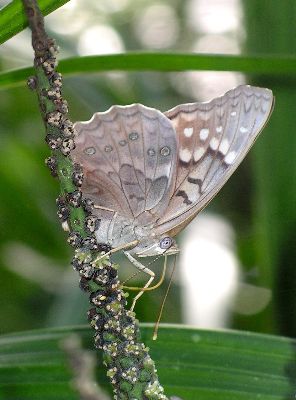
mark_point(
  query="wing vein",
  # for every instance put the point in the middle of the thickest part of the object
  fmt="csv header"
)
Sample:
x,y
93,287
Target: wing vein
x,y
157,157
106,158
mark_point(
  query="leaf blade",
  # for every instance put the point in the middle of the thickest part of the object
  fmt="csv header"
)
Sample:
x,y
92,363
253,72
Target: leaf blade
x,y
191,363
164,62
13,19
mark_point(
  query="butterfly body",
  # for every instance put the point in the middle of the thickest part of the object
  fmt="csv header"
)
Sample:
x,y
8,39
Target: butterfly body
x,y
150,173
118,231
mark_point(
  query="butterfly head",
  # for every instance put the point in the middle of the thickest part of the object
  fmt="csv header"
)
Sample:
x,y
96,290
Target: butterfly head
x,y
157,246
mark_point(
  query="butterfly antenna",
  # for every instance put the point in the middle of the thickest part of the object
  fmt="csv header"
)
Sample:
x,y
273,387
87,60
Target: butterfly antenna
x,y
156,326
156,258
148,288
137,273
130,277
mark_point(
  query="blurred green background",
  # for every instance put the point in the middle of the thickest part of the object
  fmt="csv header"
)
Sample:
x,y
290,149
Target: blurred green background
x,y
38,287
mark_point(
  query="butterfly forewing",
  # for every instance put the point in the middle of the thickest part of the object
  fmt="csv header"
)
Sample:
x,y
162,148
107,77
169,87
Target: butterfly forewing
x,y
213,138
159,170
128,156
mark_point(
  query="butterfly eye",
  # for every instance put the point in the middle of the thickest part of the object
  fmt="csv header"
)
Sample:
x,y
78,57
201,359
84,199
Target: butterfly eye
x,y
166,243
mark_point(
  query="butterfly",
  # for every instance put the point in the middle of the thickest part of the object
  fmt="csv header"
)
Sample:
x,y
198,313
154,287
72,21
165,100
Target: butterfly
x,y
150,173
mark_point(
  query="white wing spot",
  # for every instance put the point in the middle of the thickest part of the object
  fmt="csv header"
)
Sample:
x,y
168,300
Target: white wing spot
x,y
204,133
214,143
224,147
219,129
233,113
243,129
229,159
198,153
188,132
185,155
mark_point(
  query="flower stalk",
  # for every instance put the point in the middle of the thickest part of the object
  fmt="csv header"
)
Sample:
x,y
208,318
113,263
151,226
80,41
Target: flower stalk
x,y
131,371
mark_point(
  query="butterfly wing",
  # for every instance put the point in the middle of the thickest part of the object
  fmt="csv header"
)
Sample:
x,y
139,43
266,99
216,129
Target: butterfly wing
x,y
213,138
128,154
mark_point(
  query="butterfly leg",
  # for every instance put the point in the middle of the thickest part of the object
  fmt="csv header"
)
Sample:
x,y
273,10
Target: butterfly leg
x,y
144,269
122,247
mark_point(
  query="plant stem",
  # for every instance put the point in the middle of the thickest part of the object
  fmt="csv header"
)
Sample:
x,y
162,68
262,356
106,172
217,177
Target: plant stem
x,y
131,370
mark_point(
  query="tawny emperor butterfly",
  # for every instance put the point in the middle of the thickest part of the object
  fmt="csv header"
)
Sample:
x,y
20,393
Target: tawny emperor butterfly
x,y
150,173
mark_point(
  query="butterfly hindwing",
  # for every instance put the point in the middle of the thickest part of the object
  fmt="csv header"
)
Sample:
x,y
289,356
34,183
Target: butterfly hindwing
x,y
213,138
128,154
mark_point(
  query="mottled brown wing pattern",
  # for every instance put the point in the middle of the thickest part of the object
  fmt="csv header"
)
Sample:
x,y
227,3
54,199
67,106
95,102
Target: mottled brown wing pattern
x,y
128,154
213,138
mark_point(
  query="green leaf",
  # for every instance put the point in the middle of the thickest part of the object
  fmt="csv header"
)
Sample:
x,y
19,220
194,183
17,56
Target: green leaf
x,y
268,65
193,364
13,19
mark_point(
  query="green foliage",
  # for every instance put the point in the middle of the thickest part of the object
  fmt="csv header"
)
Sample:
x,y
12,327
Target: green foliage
x,y
268,65
180,62
275,169
191,364
259,200
13,20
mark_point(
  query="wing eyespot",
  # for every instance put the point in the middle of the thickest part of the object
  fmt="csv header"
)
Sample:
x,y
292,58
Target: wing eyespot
x,y
166,243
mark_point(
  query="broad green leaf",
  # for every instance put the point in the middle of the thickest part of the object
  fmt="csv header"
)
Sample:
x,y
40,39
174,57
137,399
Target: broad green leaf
x,y
192,364
13,19
268,65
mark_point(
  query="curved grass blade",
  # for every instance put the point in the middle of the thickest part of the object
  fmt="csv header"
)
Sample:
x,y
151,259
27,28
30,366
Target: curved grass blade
x,y
268,65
